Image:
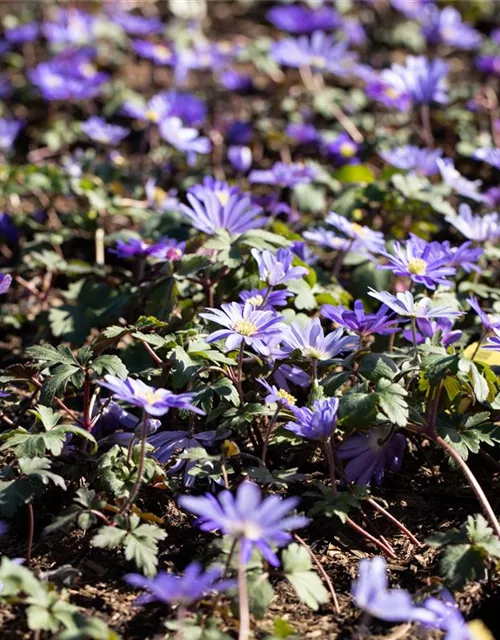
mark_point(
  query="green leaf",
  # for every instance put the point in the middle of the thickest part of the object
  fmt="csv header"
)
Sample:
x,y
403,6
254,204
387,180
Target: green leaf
x,y
358,407
375,366
260,592
354,173
47,416
297,567
48,355
390,398
110,364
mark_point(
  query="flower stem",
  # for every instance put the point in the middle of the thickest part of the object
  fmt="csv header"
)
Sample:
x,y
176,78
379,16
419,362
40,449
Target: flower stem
x,y
479,343
326,577
268,435
425,114
239,372
244,630
140,468
266,297
416,354
31,530
394,521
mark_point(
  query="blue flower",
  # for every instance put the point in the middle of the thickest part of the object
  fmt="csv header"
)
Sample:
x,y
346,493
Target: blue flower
x,y
413,159
5,282
276,268
488,321
426,328
312,343
302,133
255,521
446,27
240,157
26,32
363,238
454,179
185,139
423,80
136,25
236,81
70,26
475,227
264,299
342,149
168,104
159,53
280,396
9,130
360,322
491,155
405,305
244,324
317,423
300,19
327,239
99,130
184,590
284,175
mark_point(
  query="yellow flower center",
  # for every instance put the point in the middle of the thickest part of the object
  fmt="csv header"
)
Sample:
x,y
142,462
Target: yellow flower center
x,y
314,352
88,69
391,92
151,396
222,197
358,229
286,396
347,150
162,50
318,61
245,328
417,266
158,195
256,301
152,115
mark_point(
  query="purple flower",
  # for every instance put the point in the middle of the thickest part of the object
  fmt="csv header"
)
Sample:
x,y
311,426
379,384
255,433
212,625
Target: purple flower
x,y
418,263
155,402
446,616
491,155
454,179
300,19
489,64
446,27
464,256
276,268
317,423
136,25
327,239
428,329
168,442
244,324
423,80
239,133
370,453
9,130
71,26
413,9
255,521
493,343
475,227
343,150
8,229
354,32
413,159
320,51
169,104
167,250
130,247
160,54
388,89
240,158
5,282
113,420
184,590
26,32
264,299
405,305
73,78
365,238
211,211
283,174
360,322
5,86
185,139
488,321
236,81
312,343
280,396
159,199
302,133
492,196
99,130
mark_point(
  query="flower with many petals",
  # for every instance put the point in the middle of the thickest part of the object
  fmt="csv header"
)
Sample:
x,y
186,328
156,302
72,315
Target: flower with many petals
x,y
312,343
413,159
276,268
265,299
301,19
317,423
360,322
446,26
456,181
405,305
283,174
426,328
475,227
422,80
365,238
99,130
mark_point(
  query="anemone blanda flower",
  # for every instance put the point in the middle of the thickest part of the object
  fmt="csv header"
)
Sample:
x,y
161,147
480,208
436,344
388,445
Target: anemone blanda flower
x,y
244,324
320,51
300,19
283,174
370,453
446,26
26,32
185,139
183,589
70,26
405,305
155,402
317,423
136,25
387,89
9,130
240,157
489,64
255,521
312,343
372,241
99,130
236,81
489,321
426,328
454,179
264,299
280,396
276,268
159,53
212,211
413,159
475,227
422,80
67,79
110,419
493,343
302,133
491,155
360,322
327,239
342,149
5,282
418,263
168,104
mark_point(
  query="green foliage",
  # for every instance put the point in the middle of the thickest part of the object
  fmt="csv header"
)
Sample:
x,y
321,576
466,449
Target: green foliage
x,y
340,506
117,472
81,512
297,566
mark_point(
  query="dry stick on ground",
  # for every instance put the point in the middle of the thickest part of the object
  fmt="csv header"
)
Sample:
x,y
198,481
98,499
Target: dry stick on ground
x,y
321,570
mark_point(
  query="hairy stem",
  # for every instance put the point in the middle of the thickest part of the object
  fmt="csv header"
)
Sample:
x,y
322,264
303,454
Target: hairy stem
x,y
394,521
140,468
326,577
244,630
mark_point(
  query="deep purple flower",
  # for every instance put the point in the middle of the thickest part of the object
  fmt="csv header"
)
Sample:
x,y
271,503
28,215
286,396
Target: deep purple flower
x,y
413,9
365,238
279,396
422,80
68,79
264,299
255,521
136,25
428,328
283,174
370,453
184,590
388,89
300,19
417,262
312,343
360,322
236,81
99,130
26,32
9,130
302,133
276,268
405,305
5,86
489,321
212,211
491,155
239,133
475,227
343,150
159,53
240,158
8,229
169,104
445,26
130,247
489,63
317,423
413,159
113,421
5,282
320,51
155,402
454,179
244,324
184,139
167,249
167,443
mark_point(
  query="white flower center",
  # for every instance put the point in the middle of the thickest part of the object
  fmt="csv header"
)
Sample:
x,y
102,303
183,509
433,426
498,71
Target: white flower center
x,y
417,266
245,328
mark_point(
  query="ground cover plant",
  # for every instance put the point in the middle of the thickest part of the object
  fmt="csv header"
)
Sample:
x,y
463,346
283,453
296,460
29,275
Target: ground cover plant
x,y
249,320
